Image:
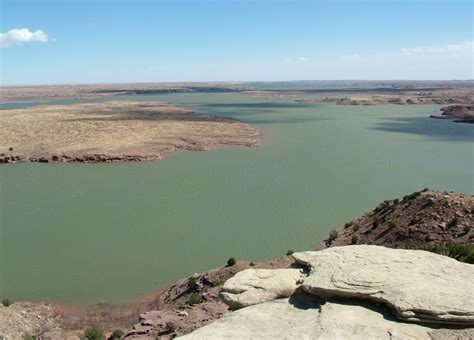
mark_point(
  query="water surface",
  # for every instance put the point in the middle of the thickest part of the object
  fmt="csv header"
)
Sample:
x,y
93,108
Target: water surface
x,y
86,232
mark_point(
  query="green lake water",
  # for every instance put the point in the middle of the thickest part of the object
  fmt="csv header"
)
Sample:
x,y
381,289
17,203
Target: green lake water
x,y
90,232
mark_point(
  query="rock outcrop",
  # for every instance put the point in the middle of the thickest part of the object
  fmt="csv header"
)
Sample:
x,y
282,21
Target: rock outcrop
x,y
253,286
354,292
303,317
417,285
419,220
278,319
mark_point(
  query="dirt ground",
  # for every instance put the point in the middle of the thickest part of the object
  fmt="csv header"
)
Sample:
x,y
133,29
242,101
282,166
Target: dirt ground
x,y
113,131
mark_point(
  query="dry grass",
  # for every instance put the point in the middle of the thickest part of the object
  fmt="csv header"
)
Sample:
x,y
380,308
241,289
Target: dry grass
x,y
115,128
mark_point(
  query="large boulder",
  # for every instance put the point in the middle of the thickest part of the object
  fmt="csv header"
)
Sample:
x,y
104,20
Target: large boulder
x,y
417,285
278,319
252,286
362,321
302,317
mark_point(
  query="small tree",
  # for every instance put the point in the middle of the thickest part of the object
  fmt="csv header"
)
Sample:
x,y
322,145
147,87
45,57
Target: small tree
x,y
117,335
375,224
6,302
170,327
195,298
333,235
94,333
290,252
454,221
231,262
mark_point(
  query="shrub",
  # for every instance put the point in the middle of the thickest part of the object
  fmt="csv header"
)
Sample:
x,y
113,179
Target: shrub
x,y
290,252
396,201
170,327
195,298
460,252
216,283
412,196
6,302
414,221
466,229
252,264
333,235
347,225
193,283
356,227
454,221
94,333
231,262
29,337
10,149
376,223
392,225
117,335
354,239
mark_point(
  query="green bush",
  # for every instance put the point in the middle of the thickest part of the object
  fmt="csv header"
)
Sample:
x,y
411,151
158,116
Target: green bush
x,y
290,252
231,262
29,337
6,302
354,239
170,327
252,264
117,335
392,225
356,227
333,235
196,298
414,221
466,229
376,223
347,225
412,196
460,252
94,333
216,283
454,221
193,283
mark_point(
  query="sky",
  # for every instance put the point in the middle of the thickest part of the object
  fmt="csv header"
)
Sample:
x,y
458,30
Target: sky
x,y
102,41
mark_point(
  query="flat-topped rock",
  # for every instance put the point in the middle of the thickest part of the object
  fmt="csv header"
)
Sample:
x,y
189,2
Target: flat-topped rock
x,y
252,286
302,317
278,319
417,285
362,321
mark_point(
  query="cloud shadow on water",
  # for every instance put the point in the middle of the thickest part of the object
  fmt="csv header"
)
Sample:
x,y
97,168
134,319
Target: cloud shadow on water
x,y
443,130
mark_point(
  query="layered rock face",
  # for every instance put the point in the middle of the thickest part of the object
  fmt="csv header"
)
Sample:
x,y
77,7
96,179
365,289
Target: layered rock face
x,y
356,292
253,286
417,285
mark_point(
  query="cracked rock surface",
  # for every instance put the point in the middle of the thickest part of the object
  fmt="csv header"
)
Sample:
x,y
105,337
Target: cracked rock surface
x,y
417,285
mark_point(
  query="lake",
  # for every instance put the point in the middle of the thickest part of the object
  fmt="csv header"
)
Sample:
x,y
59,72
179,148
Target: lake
x,y
80,233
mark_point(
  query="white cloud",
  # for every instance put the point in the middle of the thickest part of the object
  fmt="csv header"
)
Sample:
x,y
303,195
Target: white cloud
x,y
19,36
296,60
453,50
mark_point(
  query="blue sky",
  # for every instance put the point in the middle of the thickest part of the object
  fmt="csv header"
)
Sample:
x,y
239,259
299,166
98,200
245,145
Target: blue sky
x,y
159,41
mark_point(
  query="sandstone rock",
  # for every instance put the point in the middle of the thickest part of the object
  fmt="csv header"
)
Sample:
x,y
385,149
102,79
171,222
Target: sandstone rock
x,y
417,285
302,317
363,321
276,319
252,286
